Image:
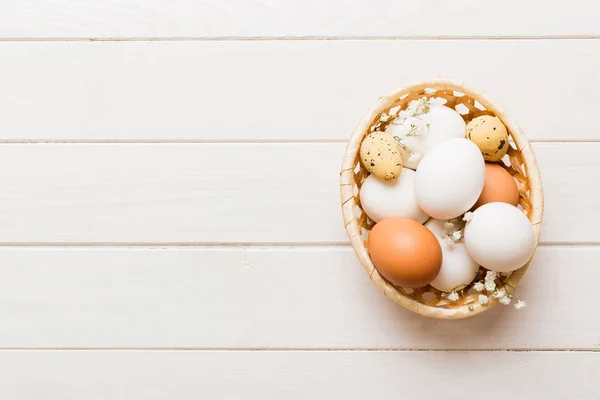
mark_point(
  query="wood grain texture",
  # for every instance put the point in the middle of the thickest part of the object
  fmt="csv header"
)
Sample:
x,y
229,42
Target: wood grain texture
x,y
278,90
295,18
159,321
227,193
93,375
316,297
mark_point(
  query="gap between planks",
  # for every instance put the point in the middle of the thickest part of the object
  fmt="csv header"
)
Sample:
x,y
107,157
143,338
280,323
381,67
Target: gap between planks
x,y
291,38
300,350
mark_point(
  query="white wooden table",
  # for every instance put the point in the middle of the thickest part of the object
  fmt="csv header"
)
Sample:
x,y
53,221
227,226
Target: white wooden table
x,y
169,216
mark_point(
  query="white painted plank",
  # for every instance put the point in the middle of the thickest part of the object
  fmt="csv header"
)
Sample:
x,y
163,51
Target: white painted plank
x,y
294,18
228,193
151,375
279,90
315,297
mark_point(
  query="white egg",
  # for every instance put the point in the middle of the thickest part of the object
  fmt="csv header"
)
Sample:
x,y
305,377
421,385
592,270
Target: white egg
x,y
458,268
500,237
450,178
385,199
434,127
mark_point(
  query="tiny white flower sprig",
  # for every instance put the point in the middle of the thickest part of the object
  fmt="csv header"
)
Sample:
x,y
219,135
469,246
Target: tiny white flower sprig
x,y
455,293
453,232
496,288
416,109
520,304
490,285
456,236
453,296
505,300
483,299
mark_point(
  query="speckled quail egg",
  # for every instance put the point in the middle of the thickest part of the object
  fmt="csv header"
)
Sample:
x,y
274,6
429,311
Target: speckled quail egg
x,y
490,135
380,154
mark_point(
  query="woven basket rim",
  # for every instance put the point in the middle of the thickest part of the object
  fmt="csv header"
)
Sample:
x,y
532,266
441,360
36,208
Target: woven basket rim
x,y
353,229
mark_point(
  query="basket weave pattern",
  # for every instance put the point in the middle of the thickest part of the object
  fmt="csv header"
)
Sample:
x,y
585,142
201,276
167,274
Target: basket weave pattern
x,y
520,162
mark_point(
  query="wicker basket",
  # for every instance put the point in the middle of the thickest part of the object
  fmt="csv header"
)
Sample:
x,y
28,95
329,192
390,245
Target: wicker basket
x,y
521,164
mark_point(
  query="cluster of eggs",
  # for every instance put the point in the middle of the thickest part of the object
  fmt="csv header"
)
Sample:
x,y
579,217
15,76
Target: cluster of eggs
x,y
442,203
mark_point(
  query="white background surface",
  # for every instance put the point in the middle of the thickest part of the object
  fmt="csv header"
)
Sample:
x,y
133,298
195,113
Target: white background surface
x,y
169,216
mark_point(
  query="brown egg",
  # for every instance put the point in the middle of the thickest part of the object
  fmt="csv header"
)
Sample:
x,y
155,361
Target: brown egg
x,y
405,252
499,185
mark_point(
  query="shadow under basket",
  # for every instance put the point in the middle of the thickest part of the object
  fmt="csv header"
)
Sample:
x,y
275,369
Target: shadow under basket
x,y
519,161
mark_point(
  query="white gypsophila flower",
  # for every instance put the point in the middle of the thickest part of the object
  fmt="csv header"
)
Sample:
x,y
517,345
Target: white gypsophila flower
x,y
430,90
490,275
452,296
417,108
500,293
456,236
448,240
504,300
479,286
490,285
448,225
468,216
520,304
483,299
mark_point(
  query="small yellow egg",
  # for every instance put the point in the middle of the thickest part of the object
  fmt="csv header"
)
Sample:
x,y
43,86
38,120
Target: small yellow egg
x,y
380,154
490,135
